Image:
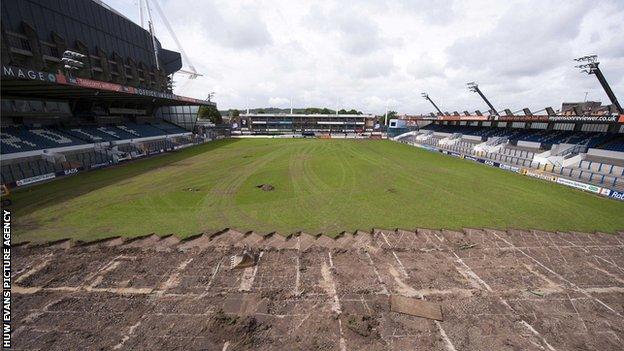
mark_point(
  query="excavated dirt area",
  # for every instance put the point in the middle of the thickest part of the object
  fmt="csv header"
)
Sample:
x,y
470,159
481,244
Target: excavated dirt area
x,y
498,290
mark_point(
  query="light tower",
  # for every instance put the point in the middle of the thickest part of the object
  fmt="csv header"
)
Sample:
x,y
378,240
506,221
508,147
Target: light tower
x,y
426,96
474,87
590,66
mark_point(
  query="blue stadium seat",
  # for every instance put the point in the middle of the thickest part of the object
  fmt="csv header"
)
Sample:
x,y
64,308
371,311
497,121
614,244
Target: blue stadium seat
x,y
93,134
169,128
143,130
22,138
19,139
547,137
617,144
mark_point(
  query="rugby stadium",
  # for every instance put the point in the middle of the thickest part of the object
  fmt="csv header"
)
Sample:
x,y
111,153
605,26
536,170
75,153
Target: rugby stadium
x,y
130,224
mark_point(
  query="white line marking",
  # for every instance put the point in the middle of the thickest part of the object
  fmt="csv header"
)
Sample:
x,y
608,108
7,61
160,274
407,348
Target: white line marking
x,y
401,267
404,289
35,269
576,287
409,289
436,235
127,336
214,274
384,291
385,239
610,262
474,275
536,333
447,341
174,279
109,267
100,272
249,275
343,343
471,274
330,289
552,286
611,275
302,320
431,241
225,346
297,276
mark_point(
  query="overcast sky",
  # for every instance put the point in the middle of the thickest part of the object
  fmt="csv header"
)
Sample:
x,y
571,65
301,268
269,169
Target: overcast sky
x,y
369,53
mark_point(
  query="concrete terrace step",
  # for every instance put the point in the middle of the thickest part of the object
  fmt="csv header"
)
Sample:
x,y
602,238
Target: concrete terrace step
x,y
397,239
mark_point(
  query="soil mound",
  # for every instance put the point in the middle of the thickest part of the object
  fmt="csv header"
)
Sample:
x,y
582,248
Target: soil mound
x,y
265,187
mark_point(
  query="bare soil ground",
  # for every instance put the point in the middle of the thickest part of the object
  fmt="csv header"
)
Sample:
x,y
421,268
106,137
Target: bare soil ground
x,y
514,290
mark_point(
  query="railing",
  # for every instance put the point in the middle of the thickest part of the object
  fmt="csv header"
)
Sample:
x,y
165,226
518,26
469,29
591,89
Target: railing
x,y
18,41
496,141
50,50
455,136
570,151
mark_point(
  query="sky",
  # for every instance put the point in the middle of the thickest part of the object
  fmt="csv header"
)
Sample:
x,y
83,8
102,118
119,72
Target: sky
x,y
373,54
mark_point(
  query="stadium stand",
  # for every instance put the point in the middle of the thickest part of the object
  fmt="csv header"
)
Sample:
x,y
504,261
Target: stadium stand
x,y
169,128
615,144
22,138
117,105
82,146
18,139
584,152
545,137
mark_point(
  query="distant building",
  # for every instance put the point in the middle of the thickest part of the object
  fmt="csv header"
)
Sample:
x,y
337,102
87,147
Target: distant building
x,y
585,108
265,123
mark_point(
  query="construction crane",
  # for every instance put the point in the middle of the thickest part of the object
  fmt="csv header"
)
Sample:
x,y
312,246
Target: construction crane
x,y
590,66
144,8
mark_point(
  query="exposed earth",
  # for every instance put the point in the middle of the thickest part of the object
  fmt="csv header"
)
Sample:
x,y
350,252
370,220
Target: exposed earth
x,y
514,290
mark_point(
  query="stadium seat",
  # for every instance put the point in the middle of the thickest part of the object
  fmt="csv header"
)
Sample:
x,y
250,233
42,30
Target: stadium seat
x,y
19,139
169,128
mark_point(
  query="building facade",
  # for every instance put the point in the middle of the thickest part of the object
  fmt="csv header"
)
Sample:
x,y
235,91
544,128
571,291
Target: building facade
x,y
118,105
126,73
35,33
262,123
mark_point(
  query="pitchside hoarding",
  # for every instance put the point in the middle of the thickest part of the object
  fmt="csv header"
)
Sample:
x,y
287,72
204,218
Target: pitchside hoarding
x,y
579,185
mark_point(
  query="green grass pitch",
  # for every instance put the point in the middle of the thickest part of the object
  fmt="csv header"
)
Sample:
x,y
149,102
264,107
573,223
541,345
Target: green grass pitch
x,y
320,186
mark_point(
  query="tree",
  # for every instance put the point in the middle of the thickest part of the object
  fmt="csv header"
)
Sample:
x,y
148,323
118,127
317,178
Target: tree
x,y
342,111
210,113
233,113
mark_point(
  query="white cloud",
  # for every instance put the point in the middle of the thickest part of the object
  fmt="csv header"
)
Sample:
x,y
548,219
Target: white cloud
x,y
278,102
366,53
